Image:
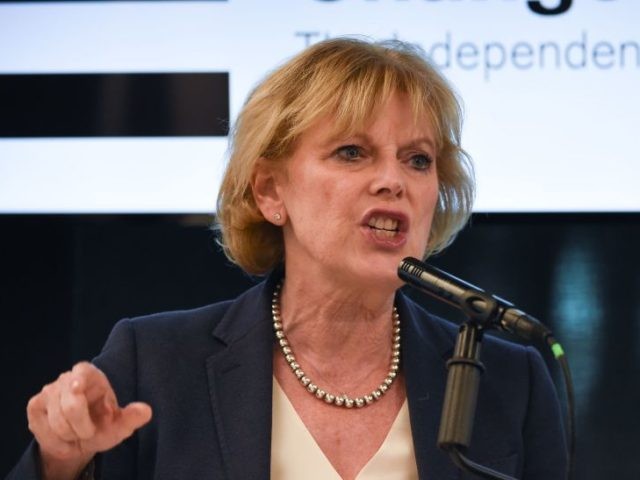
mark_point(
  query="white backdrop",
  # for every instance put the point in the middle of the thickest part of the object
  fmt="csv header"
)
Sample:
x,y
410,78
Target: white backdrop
x,y
551,101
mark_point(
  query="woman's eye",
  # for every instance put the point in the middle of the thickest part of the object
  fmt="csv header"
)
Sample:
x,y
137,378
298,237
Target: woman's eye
x,y
349,152
421,161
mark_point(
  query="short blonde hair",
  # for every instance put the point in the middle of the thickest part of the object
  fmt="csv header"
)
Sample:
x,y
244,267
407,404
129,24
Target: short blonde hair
x,y
348,79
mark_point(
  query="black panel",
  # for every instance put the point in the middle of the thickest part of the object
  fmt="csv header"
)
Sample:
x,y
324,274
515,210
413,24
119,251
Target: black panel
x,y
114,104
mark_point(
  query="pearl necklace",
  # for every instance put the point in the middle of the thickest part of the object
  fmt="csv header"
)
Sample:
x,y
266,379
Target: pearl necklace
x,y
342,400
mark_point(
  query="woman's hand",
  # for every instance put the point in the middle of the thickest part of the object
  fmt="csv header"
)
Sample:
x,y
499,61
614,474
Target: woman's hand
x,y
76,417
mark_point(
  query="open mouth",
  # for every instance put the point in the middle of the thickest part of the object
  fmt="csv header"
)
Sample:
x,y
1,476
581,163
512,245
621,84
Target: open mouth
x,y
383,226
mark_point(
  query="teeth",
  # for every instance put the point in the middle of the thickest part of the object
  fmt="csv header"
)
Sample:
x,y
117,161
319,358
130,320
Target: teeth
x,y
384,224
390,224
384,233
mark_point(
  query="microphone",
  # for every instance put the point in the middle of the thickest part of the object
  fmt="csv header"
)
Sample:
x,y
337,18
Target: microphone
x,y
484,308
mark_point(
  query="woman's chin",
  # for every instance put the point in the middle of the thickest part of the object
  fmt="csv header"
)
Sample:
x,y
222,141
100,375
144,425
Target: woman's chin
x,y
378,272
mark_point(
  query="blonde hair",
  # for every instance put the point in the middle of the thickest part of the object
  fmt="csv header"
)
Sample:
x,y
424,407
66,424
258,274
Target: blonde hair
x,y
347,79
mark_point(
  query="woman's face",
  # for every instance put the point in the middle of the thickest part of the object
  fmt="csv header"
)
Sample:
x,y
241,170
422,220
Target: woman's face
x,y
355,206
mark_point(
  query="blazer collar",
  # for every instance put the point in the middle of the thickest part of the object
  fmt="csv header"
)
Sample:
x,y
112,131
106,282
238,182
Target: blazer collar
x,y
426,346
240,384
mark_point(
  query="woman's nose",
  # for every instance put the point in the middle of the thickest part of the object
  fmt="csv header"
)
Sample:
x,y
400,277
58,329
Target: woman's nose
x,y
388,179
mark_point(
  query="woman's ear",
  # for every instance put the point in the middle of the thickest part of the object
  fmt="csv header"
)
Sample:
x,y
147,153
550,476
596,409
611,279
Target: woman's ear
x,y
265,183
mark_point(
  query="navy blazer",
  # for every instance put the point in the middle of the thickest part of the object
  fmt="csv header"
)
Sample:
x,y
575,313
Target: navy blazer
x,y
207,373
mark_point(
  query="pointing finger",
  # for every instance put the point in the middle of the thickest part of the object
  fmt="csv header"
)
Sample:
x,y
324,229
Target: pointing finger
x,y
74,407
121,425
132,417
135,415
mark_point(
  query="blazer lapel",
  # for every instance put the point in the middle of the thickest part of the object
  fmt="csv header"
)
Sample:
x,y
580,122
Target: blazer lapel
x,y
240,384
426,345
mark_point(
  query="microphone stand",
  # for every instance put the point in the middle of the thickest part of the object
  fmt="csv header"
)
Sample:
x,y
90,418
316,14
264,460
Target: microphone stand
x,y
463,381
484,311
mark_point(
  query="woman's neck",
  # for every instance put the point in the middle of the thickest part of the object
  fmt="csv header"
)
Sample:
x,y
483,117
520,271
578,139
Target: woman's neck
x,y
339,330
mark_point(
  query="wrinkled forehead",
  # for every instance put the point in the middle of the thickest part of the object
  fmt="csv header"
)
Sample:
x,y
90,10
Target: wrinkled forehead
x,y
352,112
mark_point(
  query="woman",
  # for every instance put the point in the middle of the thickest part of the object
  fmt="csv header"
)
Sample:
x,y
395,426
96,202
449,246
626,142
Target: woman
x,y
344,161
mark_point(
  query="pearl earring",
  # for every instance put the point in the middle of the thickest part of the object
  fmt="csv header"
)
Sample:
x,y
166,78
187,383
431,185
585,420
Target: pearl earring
x,y
277,217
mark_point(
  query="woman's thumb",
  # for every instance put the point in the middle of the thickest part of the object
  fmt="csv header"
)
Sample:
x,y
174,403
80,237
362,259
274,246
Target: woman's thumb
x,y
134,416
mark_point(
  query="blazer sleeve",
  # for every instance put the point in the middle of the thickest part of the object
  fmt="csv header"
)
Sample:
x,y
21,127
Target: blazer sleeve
x,y
118,361
28,466
545,455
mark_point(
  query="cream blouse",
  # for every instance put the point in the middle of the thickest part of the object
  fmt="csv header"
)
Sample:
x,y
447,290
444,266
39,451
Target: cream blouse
x,y
295,455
